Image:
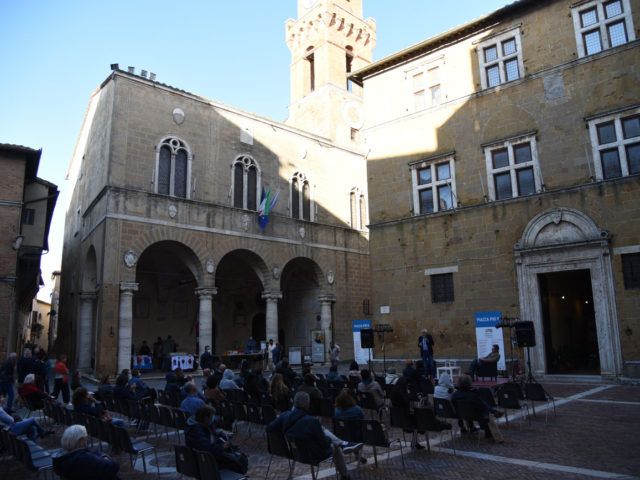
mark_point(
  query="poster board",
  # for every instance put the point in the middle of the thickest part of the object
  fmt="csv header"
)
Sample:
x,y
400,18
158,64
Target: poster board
x,y
295,355
317,346
361,354
306,354
488,335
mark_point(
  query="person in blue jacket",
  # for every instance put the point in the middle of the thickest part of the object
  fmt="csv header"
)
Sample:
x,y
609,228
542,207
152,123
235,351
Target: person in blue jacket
x,y
171,386
87,405
198,436
77,462
192,402
122,391
251,344
322,443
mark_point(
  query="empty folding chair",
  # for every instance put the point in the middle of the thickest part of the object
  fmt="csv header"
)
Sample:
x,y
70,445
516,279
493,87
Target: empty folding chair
x,y
136,448
486,394
240,415
254,414
508,400
349,431
209,468
162,398
368,402
167,421
277,445
268,414
43,462
179,421
427,421
266,399
374,436
186,462
443,408
536,393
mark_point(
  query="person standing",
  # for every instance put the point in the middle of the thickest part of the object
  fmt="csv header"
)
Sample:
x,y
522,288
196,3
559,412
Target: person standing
x,y
61,381
275,354
23,368
334,353
6,380
144,349
425,342
39,370
251,343
168,346
270,363
206,359
157,354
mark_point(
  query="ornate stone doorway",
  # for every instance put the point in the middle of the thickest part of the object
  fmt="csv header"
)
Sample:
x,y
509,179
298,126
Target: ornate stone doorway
x,y
563,240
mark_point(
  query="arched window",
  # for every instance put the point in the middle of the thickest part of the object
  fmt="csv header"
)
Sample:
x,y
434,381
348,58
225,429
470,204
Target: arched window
x,y
312,68
358,207
302,203
173,167
245,183
349,62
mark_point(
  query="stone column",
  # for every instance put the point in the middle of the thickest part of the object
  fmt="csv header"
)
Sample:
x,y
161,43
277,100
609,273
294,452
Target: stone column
x,y
325,321
125,324
205,318
272,314
85,330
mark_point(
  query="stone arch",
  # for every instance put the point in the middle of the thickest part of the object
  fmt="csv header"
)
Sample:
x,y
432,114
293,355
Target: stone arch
x,y
259,258
510,120
318,264
560,225
194,250
613,93
90,271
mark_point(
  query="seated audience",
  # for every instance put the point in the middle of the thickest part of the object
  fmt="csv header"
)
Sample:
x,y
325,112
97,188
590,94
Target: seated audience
x,y
87,405
251,386
288,375
198,436
143,391
400,398
77,462
105,389
227,382
346,407
192,402
29,427
263,383
373,388
206,373
171,386
29,391
309,386
333,375
122,391
180,379
486,413
354,370
322,444
410,372
219,371
76,381
493,357
391,377
444,389
278,390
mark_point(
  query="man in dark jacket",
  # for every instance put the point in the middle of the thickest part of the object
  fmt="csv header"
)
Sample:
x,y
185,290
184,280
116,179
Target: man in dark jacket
x,y
275,353
6,381
24,366
198,436
288,375
206,359
425,343
77,462
464,394
171,385
39,370
410,372
322,443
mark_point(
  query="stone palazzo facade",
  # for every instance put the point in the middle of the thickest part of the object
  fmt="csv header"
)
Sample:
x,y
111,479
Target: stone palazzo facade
x,y
503,176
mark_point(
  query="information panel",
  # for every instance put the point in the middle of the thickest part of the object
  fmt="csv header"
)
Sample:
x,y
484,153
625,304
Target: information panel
x,y
295,355
317,346
488,335
361,354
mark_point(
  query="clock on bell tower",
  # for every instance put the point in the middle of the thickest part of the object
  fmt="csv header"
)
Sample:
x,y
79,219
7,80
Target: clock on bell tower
x,y
329,40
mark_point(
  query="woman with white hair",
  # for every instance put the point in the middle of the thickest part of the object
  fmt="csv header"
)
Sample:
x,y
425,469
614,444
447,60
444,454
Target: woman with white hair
x,y
29,391
77,462
444,389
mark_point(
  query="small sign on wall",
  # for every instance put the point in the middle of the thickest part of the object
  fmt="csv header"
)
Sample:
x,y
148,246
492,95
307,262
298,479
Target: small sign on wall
x,y
384,309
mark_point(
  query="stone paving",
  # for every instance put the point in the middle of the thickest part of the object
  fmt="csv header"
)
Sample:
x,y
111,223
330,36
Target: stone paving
x,y
595,435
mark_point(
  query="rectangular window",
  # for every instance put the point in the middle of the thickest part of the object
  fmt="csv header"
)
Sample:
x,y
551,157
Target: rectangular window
x,y
615,140
436,98
433,182
500,59
500,158
426,201
526,181
426,88
503,186
424,176
611,164
28,216
511,168
419,101
631,271
442,288
601,24
633,158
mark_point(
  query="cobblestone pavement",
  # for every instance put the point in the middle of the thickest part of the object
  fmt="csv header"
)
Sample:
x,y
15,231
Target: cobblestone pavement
x,y
595,435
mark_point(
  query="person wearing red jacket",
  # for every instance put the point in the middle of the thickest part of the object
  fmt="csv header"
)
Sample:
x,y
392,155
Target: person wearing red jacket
x,y
61,382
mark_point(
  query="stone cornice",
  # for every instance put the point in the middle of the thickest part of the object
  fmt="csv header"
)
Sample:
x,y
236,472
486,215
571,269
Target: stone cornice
x,y
128,287
272,296
206,291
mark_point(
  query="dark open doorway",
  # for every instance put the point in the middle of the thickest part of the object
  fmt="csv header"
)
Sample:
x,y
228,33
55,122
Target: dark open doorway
x,y
570,334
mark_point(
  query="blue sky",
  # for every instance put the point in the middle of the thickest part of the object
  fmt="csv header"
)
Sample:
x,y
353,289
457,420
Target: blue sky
x,y
53,55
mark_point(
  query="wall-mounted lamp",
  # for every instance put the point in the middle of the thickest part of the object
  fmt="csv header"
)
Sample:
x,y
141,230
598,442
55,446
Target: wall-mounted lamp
x,y
111,334
441,336
628,331
17,241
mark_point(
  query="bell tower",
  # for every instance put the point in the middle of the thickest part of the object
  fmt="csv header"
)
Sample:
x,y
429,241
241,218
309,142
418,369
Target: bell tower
x,y
328,40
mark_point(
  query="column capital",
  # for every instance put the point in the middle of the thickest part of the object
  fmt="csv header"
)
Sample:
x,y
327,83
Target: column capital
x,y
127,287
88,296
327,299
206,291
272,296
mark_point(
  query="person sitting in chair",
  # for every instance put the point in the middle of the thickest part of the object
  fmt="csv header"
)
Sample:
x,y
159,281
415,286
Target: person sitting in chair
x,y
486,413
30,391
493,357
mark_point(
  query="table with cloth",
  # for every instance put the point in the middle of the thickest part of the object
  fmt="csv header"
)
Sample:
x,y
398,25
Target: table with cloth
x,y
185,362
142,362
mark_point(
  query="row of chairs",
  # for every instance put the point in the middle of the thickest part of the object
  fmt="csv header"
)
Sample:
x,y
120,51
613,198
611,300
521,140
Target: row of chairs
x,y
32,456
200,465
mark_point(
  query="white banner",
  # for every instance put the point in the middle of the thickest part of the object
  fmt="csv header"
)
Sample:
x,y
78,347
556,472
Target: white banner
x,y
487,335
361,354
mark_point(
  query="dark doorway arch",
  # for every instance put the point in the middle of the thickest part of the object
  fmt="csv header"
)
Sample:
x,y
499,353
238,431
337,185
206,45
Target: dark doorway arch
x,y
259,327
